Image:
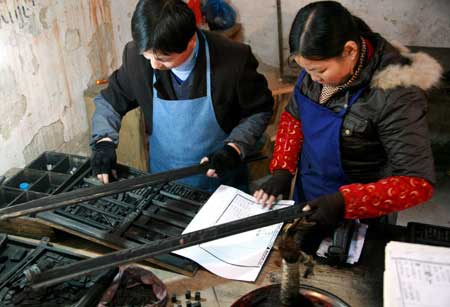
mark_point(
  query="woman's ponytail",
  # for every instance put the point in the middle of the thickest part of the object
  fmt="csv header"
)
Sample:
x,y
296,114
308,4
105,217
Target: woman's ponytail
x,y
361,25
321,29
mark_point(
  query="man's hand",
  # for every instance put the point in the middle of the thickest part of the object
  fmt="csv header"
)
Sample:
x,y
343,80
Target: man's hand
x,y
278,184
222,161
327,210
103,160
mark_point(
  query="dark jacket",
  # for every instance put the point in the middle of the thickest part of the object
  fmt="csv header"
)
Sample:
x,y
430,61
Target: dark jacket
x,y
385,133
241,98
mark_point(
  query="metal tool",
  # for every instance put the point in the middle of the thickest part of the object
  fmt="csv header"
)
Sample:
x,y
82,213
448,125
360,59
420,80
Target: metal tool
x,y
89,266
83,195
87,194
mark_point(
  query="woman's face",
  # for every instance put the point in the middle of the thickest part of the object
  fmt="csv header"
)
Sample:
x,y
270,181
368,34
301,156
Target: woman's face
x,y
334,71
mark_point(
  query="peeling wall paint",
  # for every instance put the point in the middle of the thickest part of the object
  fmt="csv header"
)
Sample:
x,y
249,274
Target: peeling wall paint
x,y
101,56
72,40
51,51
16,14
122,12
15,115
47,138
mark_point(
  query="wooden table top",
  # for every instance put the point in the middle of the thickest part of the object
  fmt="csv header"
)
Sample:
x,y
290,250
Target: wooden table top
x,y
358,285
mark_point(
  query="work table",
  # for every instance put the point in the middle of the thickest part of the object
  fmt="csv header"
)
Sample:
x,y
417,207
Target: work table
x,y
358,285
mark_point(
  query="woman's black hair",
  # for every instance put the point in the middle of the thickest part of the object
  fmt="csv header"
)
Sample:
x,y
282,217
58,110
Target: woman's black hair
x,y
165,26
321,29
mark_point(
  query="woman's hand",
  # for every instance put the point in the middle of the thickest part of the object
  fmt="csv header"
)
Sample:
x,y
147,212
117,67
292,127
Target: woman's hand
x,y
278,184
327,210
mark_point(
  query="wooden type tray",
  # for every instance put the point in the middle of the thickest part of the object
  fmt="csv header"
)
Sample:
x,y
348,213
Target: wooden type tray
x,y
119,221
133,218
21,256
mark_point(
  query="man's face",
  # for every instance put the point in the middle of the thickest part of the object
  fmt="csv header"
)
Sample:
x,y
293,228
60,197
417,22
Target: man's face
x,y
162,61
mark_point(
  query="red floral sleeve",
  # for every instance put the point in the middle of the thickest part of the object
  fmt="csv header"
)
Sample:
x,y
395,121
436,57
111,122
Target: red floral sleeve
x,y
288,144
384,196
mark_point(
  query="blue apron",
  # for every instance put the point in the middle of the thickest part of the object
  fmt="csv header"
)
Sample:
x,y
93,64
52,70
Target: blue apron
x,y
185,131
320,169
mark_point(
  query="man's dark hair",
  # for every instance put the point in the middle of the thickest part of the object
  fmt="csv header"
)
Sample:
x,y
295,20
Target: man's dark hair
x,y
321,29
165,26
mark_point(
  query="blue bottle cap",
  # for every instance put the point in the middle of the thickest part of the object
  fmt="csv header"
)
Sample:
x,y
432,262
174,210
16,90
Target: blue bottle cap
x,y
24,186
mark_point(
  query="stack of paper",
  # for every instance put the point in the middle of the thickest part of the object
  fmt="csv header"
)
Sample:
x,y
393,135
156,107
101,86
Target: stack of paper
x,y
416,275
240,256
356,245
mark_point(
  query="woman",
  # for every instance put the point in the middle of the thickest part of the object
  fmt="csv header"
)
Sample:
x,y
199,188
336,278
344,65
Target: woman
x,y
355,130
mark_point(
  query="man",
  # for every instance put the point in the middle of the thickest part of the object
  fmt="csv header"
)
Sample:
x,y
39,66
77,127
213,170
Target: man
x,y
200,93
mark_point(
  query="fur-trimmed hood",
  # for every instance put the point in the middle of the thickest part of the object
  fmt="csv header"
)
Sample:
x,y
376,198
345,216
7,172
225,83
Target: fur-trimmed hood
x,y
422,71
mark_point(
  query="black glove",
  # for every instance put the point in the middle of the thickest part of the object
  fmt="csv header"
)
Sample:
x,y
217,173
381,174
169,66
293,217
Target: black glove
x,y
328,210
103,158
224,160
278,184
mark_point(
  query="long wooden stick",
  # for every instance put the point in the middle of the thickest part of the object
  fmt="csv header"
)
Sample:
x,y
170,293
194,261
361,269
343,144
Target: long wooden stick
x,y
63,273
87,194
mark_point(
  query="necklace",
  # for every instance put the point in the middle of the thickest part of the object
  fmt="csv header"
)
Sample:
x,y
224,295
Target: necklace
x,y
328,91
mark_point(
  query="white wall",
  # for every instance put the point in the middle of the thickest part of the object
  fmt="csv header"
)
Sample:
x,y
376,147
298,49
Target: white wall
x,y
51,51
121,16
411,22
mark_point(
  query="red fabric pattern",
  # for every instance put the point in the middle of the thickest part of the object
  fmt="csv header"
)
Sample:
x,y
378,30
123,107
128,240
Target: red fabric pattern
x,y
288,144
388,195
370,49
195,6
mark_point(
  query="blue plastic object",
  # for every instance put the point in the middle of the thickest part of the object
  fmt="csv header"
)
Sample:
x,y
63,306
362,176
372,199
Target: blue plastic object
x,y
24,186
219,15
